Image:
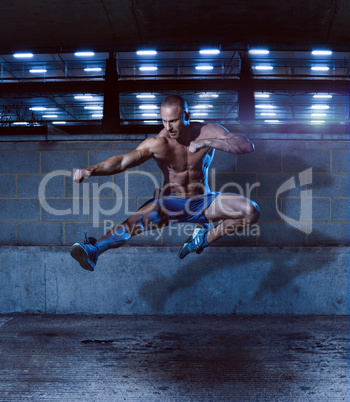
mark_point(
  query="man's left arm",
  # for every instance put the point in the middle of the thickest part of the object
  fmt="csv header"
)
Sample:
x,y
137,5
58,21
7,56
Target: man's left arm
x,y
216,136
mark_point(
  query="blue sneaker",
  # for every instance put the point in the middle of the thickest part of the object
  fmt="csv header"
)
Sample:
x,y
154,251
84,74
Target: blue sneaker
x,y
195,243
85,253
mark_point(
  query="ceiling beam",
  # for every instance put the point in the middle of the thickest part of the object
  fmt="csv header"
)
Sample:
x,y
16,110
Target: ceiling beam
x,y
129,86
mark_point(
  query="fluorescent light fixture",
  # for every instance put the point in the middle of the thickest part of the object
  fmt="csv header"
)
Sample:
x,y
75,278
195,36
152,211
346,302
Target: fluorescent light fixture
x,y
145,96
317,121
146,52
208,95
148,107
91,69
204,68
322,96
38,70
264,106
318,114
20,123
37,108
97,115
149,114
271,121
197,121
50,116
319,107
261,68
261,95
83,54
321,52
93,107
148,68
23,55
268,114
203,106
259,51
85,97
150,121
200,114
209,51
320,68
59,122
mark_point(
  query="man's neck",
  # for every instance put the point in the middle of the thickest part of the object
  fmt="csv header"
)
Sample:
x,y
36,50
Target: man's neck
x,y
186,136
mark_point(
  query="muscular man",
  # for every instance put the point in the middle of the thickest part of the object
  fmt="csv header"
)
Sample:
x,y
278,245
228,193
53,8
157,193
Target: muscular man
x,y
183,153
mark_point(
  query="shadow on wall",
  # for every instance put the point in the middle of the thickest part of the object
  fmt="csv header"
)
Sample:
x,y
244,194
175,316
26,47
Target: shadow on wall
x,y
278,274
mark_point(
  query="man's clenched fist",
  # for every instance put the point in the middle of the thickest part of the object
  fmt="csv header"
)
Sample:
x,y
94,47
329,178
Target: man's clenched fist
x,y
80,175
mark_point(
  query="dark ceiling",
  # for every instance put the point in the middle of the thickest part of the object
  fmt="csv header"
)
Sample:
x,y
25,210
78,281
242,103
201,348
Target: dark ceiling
x,y
61,26
53,30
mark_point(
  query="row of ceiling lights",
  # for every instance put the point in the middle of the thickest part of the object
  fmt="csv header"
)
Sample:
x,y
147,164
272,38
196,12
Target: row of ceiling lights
x,y
196,114
212,52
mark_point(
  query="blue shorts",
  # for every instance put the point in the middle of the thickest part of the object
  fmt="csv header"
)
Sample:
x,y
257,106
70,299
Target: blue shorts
x,y
185,209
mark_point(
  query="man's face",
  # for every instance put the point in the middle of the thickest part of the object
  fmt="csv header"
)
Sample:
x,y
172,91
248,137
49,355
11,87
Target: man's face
x,y
174,119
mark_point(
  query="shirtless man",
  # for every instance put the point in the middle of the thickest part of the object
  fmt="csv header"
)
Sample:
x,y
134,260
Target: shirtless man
x,y
183,153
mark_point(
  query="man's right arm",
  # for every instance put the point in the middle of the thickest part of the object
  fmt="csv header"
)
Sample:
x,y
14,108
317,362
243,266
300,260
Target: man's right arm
x,y
119,163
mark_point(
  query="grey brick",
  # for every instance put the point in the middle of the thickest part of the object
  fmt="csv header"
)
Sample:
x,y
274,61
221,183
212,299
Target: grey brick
x,y
128,145
40,233
281,234
150,237
285,144
241,183
341,161
141,201
223,162
19,162
19,210
341,209
7,186
178,233
71,231
330,185
135,184
149,166
28,186
247,237
108,209
330,234
298,161
329,144
268,160
63,160
49,145
8,234
60,205
88,145
87,186
314,209
270,183
7,145
268,209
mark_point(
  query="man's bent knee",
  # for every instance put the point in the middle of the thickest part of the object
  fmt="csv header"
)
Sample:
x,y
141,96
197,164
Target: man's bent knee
x,y
252,212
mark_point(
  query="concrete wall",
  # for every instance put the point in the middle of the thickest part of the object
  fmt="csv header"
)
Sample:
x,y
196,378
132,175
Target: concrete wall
x,y
152,280
277,267
321,206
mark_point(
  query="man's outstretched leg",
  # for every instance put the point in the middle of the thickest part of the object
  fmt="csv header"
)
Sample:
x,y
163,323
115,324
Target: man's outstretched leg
x,y
235,213
147,218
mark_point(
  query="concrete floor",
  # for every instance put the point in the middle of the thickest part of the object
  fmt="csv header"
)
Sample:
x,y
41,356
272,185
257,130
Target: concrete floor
x,y
167,358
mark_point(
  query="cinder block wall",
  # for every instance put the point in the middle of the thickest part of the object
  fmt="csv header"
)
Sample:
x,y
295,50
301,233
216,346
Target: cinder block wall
x,y
320,208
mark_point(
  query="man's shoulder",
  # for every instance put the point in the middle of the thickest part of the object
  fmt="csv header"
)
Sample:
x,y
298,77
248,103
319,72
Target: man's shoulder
x,y
154,144
212,130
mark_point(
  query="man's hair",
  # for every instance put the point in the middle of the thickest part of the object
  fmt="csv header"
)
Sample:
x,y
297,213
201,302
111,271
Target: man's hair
x,y
175,100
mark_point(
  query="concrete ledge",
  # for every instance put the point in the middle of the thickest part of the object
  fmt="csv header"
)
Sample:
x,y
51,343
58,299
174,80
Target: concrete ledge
x,y
152,280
